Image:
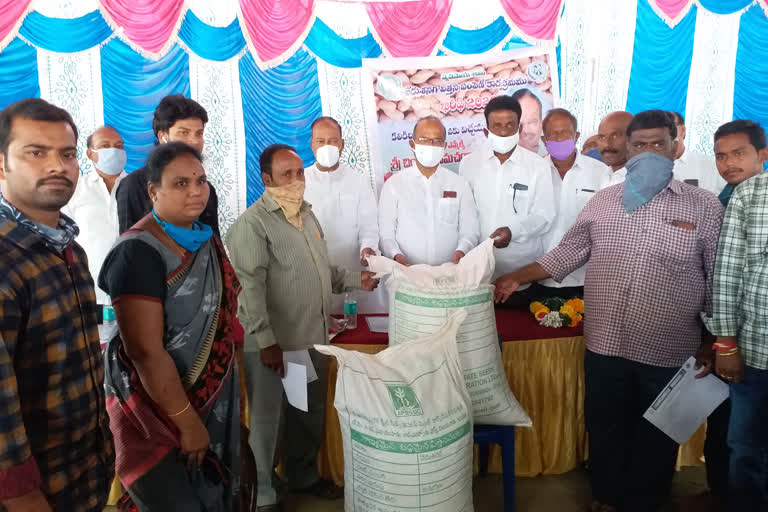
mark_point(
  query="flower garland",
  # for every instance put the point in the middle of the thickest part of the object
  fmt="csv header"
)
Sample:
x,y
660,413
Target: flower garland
x,y
558,312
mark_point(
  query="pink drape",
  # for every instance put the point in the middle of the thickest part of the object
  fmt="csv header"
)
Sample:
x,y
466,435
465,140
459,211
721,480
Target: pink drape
x,y
671,11
537,19
410,29
148,24
11,12
275,28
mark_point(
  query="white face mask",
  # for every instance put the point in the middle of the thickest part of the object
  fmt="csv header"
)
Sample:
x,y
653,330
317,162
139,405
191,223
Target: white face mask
x,y
503,145
429,156
111,160
327,156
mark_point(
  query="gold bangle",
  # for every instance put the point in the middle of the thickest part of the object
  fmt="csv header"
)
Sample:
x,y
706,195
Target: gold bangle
x,y
181,411
730,353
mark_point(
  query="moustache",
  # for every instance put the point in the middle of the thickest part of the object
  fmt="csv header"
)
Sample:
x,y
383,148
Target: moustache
x,y
60,179
609,150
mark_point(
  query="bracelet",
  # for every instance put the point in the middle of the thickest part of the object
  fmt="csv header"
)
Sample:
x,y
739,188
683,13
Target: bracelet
x,y
189,404
724,345
729,353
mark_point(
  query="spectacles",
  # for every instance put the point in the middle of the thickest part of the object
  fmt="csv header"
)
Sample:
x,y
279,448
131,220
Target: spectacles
x,y
432,142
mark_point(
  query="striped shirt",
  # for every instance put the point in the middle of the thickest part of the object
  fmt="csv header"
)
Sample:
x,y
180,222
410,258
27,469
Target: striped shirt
x,y
54,430
286,277
649,274
741,273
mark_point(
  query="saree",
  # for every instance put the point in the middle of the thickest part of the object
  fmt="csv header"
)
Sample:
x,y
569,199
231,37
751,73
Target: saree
x,y
201,332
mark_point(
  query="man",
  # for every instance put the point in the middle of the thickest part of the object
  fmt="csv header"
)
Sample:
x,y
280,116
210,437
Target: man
x,y
589,144
279,254
94,208
650,247
612,144
692,167
56,450
738,318
176,119
344,203
576,179
513,192
427,213
530,120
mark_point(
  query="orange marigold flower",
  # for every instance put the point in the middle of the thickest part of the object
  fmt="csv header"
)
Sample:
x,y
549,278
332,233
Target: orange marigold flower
x,y
576,304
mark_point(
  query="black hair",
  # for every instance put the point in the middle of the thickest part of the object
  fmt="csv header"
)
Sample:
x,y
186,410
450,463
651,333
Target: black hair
x,y
89,140
560,112
268,155
34,109
523,93
653,119
430,118
174,108
678,118
326,118
163,154
503,102
751,129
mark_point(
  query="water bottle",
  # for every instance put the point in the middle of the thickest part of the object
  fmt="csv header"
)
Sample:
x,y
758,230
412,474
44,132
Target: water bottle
x,y
109,321
350,311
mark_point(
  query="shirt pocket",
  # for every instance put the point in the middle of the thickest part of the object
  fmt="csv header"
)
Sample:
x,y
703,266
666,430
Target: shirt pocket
x,y
583,195
677,246
448,210
518,198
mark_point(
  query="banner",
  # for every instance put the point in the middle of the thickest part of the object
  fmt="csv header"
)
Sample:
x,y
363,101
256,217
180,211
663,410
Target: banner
x,y
455,89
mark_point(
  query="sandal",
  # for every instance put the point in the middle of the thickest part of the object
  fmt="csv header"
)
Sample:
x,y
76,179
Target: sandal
x,y
324,489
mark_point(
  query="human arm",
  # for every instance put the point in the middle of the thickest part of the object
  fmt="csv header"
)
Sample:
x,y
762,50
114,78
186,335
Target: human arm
x,y
469,224
368,222
388,221
508,283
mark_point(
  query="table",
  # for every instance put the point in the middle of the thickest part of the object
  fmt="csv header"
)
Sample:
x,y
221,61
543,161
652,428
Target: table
x,y
545,370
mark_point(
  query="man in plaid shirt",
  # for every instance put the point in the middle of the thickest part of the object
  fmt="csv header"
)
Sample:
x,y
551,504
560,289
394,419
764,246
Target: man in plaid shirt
x,y
740,312
649,245
55,446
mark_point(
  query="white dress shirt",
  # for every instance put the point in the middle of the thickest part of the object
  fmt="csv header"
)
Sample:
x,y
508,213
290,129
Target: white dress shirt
x,y
427,220
615,177
344,203
517,194
572,192
701,168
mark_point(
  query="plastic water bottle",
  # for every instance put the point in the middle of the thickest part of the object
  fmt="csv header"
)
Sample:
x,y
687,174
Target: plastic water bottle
x,y
109,320
350,311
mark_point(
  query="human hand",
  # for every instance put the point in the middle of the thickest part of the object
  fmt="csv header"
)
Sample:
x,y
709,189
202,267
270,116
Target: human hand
x,y
272,358
367,281
705,360
501,237
505,286
364,255
31,502
194,439
402,260
457,256
729,367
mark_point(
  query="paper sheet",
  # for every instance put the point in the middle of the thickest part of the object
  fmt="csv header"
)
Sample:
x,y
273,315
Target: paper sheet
x,y
378,323
686,402
301,357
295,385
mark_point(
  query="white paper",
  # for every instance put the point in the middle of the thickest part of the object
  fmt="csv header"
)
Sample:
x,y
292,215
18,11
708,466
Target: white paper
x,y
295,385
378,323
301,357
685,402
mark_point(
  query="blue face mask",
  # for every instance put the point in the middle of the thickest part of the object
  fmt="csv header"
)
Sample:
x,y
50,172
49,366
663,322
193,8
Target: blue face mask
x,y
190,239
647,175
594,153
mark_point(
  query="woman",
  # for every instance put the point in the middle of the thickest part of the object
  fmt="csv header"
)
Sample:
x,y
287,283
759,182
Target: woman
x,y
171,375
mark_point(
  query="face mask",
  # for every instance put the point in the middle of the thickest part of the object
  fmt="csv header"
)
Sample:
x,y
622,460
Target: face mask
x,y
647,175
503,145
594,153
290,198
190,239
111,160
560,150
429,156
327,156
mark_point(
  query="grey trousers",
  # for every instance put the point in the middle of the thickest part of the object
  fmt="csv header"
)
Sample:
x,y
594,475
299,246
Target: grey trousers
x,y
272,418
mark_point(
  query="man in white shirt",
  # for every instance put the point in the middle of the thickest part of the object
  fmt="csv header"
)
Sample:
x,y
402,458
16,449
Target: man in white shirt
x,y
694,168
94,208
344,203
513,192
612,143
576,179
427,213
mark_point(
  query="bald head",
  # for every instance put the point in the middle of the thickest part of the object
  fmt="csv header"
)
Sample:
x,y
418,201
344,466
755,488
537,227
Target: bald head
x,y
428,125
103,134
612,139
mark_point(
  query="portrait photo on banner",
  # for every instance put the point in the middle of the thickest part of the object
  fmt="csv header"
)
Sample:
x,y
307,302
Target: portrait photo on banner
x,y
455,89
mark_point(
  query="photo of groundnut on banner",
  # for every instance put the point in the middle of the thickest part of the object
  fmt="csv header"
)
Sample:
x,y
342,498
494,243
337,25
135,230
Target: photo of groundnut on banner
x,y
454,89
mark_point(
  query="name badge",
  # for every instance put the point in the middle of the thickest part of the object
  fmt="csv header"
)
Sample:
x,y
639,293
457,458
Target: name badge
x,y
449,193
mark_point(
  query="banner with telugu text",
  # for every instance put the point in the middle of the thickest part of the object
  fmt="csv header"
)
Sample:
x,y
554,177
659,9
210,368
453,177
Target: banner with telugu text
x,y
455,89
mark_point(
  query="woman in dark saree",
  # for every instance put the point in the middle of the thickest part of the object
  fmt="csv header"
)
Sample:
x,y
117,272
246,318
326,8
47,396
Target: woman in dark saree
x,y
172,382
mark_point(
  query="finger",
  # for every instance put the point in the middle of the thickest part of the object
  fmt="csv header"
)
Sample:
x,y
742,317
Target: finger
x,y
706,369
201,457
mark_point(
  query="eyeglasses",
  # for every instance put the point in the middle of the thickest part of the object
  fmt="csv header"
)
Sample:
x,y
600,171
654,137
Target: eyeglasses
x,y
432,142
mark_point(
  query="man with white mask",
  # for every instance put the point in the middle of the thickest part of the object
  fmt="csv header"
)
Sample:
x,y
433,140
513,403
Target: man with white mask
x,y
427,213
344,203
94,208
513,191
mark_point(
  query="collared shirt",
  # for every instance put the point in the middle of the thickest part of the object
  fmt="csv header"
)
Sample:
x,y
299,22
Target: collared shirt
x,y
615,177
517,194
286,277
427,219
649,274
54,429
741,273
572,192
699,170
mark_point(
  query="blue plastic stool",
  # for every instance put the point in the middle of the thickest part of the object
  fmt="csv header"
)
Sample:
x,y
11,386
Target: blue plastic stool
x,y
505,438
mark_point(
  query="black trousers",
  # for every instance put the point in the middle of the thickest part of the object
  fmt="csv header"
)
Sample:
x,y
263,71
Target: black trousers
x,y
716,451
631,461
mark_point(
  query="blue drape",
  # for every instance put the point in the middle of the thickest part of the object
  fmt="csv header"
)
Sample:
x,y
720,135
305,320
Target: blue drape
x,y
65,35
661,62
18,79
750,89
279,106
213,43
481,40
337,51
132,87
725,6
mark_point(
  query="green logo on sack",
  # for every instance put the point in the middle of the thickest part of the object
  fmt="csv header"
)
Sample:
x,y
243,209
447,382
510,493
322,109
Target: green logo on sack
x,y
404,401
